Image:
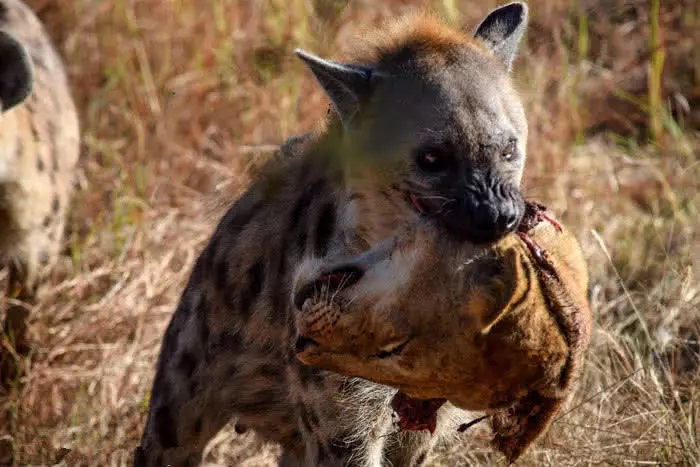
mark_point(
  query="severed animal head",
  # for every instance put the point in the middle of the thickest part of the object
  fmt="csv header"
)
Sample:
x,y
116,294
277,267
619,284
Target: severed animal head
x,y
501,329
428,117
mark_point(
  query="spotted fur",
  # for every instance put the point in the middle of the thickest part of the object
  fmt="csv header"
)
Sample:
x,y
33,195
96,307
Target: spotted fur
x,y
229,350
39,146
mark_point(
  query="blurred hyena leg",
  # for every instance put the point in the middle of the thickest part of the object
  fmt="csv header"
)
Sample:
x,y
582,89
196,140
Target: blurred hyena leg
x,y
22,292
15,343
206,376
32,256
186,408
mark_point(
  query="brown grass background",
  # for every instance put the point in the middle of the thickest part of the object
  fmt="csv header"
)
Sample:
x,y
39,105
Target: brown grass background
x,y
180,98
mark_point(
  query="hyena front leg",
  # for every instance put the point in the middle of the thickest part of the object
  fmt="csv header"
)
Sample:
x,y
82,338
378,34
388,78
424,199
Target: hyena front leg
x,y
180,406
205,377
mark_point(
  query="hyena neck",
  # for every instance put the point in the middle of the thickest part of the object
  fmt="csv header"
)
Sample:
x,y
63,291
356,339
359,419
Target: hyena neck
x,y
369,209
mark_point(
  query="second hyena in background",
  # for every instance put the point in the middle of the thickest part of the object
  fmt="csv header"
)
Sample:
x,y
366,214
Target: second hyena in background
x,y
426,124
39,148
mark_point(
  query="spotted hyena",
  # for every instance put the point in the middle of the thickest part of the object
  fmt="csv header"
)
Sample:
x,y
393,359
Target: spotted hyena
x,y
507,329
425,124
39,146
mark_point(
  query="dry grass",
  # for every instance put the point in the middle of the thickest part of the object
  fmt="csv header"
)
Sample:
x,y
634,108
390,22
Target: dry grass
x,y
178,98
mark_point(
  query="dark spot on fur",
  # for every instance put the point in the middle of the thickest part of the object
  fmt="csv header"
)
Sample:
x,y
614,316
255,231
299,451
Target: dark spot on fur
x,y
271,371
322,455
256,276
39,164
313,417
421,459
38,60
43,258
225,343
303,203
229,341
261,401
232,371
47,221
55,205
279,299
198,426
309,375
294,439
3,13
35,132
165,427
309,419
187,364
54,149
325,225
29,103
240,428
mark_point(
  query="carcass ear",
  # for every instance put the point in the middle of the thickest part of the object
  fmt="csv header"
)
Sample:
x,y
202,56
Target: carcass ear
x,y
517,427
345,84
502,30
16,72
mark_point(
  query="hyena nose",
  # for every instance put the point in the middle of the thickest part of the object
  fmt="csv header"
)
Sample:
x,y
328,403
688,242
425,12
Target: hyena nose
x,y
488,220
510,218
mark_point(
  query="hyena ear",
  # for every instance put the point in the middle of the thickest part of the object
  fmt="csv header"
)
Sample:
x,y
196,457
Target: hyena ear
x,y
16,72
503,29
345,84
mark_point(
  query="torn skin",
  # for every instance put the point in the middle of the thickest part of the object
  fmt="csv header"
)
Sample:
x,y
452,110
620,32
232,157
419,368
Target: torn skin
x,y
534,214
416,414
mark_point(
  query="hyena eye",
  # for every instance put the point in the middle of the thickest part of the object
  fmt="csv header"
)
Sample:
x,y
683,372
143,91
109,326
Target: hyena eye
x,y
509,152
431,160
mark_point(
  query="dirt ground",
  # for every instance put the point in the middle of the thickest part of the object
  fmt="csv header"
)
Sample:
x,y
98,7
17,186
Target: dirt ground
x,y
180,98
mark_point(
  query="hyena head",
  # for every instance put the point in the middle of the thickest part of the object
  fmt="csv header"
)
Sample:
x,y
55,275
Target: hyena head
x,y
431,121
16,72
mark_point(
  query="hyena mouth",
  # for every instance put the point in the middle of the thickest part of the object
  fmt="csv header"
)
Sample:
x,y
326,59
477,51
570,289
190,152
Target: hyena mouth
x,y
330,283
416,414
417,205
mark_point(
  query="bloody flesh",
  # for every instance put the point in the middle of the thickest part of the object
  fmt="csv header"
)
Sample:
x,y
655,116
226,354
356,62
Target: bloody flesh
x,y
534,214
416,414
